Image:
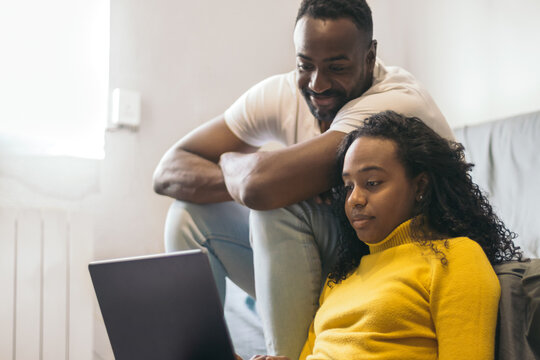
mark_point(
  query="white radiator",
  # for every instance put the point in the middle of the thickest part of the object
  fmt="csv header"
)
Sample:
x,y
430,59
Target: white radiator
x,y
46,298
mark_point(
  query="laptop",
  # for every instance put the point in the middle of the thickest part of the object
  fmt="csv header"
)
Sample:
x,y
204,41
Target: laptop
x,y
163,306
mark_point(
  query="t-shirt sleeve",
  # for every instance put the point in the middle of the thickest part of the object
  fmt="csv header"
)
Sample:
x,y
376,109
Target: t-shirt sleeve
x,y
256,116
406,101
464,302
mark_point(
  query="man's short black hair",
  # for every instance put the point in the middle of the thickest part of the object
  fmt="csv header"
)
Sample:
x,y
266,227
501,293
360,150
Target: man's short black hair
x,y
356,10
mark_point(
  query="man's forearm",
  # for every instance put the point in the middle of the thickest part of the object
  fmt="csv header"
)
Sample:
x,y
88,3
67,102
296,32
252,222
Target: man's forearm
x,y
188,177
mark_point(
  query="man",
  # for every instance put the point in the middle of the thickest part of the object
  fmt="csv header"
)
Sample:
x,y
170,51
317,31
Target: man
x,y
285,250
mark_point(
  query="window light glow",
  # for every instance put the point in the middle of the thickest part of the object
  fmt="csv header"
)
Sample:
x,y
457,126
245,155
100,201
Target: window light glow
x,y
54,71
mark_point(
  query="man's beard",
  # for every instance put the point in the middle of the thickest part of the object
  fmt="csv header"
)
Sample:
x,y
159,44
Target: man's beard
x,y
326,115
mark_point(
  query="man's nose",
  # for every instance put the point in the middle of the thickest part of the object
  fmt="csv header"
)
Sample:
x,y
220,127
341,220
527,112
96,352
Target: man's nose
x,y
319,83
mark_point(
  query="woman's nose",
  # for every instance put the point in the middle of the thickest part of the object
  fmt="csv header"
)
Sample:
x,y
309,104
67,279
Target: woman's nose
x,y
357,198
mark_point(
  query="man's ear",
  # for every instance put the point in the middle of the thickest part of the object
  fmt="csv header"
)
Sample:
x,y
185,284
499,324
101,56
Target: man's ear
x,y
421,184
372,53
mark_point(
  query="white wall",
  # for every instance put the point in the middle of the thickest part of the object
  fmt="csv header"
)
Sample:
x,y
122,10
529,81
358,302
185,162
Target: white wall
x,y
479,59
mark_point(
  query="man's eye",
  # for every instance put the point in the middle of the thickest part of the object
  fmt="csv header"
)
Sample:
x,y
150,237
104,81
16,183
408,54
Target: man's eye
x,y
304,67
337,68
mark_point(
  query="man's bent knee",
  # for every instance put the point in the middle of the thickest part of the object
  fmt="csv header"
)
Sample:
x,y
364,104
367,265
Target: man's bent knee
x,y
190,226
292,220
181,231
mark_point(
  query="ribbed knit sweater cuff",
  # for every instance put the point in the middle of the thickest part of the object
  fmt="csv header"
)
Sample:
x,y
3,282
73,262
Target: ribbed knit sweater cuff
x,y
399,236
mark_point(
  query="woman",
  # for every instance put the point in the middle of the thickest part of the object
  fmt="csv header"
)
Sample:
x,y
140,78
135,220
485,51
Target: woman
x,y
414,278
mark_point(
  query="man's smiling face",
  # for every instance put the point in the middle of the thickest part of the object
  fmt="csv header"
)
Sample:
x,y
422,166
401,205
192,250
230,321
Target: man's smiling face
x,y
335,63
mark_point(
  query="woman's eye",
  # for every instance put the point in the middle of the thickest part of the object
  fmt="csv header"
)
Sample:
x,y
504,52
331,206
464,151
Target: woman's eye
x,y
372,183
348,188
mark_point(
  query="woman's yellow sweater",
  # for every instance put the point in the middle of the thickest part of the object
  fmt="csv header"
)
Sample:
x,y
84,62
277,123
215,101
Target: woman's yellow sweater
x,y
403,303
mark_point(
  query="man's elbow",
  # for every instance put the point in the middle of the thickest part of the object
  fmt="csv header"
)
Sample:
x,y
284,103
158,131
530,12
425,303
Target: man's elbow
x,y
258,202
159,187
158,183
256,196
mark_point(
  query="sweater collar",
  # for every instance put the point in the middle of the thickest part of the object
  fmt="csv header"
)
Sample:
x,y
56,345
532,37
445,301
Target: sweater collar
x,y
399,236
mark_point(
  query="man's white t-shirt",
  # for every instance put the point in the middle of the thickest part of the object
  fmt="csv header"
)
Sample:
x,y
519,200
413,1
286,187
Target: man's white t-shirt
x,y
274,109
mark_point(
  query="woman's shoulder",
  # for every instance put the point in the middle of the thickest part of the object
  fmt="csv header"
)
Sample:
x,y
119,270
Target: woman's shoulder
x,y
463,247
463,255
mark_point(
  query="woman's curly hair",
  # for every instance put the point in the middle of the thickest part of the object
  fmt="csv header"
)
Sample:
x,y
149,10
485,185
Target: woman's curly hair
x,y
451,206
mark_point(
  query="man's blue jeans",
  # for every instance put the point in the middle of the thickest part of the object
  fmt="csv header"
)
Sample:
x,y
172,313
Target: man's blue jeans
x,y
280,257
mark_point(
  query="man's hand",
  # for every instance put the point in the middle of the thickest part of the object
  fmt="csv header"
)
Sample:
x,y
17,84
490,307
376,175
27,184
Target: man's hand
x,y
237,168
324,198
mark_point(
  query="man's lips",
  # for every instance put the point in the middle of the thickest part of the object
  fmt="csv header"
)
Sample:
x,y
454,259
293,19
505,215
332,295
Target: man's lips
x,y
326,98
323,100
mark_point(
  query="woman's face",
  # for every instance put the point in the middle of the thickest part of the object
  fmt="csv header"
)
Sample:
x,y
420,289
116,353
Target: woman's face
x,y
380,196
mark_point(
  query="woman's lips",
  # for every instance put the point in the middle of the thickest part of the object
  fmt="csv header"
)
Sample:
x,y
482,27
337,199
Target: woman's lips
x,y
361,221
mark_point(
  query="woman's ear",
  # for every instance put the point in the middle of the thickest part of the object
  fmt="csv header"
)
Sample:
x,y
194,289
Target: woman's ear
x,y
421,185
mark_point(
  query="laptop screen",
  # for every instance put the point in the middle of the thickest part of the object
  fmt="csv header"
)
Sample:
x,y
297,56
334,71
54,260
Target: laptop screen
x,y
162,306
